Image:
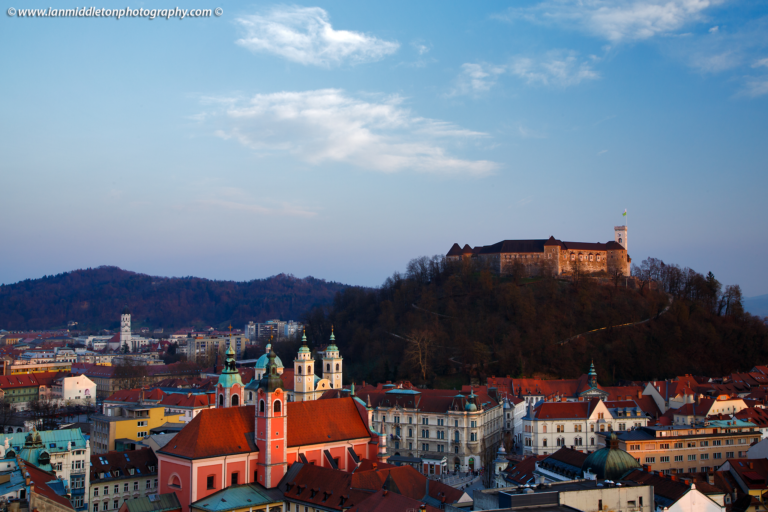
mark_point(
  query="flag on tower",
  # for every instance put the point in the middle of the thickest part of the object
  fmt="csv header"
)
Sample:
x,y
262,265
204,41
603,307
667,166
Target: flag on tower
x,y
625,213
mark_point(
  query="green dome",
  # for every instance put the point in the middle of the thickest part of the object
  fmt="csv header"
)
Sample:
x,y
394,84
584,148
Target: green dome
x,y
470,407
304,348
610,462
264,359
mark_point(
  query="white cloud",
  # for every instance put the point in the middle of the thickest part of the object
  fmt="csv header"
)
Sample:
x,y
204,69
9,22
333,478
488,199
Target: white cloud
x,y
761,63
714,30
557,68
305,35
330,126
477,78
616,20
604,151
420,47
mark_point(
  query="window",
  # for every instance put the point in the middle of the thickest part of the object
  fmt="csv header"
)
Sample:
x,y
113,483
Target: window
x,y
261,404
704,456
425,447
425,421
729,441
95,491
106,490
233,479
155,483
277,406
728,455
473,437
544,429
704,443
142,434
650,460
117,489
211,482
678,458
105,505
125,487
717,455
577,428
692,457
147,485
560,428
678,445
663,459
716,442
141,423
544,444
136,485
95,507
114,504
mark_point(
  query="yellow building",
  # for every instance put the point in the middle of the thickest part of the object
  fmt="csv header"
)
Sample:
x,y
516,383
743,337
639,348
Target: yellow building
x,y
19,368
127,424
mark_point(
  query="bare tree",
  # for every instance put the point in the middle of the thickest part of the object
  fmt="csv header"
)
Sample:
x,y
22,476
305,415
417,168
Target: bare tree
x,y
419,351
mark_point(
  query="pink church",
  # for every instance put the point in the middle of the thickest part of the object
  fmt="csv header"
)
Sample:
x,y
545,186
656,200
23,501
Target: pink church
x,y
236,444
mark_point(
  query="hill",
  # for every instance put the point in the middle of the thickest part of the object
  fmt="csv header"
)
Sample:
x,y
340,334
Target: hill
x,y
441,323
95,297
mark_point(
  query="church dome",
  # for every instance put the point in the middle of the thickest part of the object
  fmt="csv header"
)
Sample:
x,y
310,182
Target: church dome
x,y
470,407
610,462
264,360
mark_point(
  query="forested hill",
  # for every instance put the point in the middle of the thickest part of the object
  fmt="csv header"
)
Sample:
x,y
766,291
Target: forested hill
x,y
436,320
95,298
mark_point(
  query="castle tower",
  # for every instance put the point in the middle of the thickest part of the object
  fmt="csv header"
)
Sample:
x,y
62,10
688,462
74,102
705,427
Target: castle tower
x,y
304,373
332,363
125,329
229,390
271,428
620,233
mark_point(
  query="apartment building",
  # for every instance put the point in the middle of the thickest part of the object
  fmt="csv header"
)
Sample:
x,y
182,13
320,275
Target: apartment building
x,y
127,425
552,425
437,430
689,448
120,476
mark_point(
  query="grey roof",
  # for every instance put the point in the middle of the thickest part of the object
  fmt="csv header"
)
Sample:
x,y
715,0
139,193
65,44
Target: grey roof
x,y
154,503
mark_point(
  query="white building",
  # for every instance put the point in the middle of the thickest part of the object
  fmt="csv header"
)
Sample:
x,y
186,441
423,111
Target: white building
x,y
75,390
552,425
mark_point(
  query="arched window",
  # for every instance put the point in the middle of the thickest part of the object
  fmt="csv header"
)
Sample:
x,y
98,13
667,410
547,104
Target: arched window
x,y
581,257
235,400
250,396
337,366
328,367
590,257
276,406
545,443
221,400
573,257
299,370
261,406
174,481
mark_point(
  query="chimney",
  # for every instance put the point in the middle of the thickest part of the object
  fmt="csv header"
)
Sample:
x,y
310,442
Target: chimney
x,y
673,477
711,478
751,465
647,468
639,393
385,492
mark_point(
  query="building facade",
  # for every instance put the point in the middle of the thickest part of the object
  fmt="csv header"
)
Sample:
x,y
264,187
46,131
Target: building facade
x,y
117,477
127,423
535,256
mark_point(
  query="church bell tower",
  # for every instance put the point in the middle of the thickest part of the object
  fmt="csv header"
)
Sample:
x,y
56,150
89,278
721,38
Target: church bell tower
x,y
271,427
332,363
620,233
125,329
304,373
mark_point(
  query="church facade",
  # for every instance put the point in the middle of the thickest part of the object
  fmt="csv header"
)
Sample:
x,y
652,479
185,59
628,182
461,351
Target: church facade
x,y
561,258
237,444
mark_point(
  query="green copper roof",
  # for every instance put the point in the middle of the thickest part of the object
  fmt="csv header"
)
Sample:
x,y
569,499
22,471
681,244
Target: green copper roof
x,y
332,347
592,369
234,497
40,445
610,462
230,376
271,380
304,348
154,503
264,360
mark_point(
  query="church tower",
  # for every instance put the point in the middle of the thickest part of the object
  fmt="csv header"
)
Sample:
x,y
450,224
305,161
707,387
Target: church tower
x,y
125,329
304,373
229,390
620,233
592,376
332,363
271,427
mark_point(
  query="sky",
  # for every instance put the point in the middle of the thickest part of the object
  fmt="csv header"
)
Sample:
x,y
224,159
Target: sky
x,y
342,139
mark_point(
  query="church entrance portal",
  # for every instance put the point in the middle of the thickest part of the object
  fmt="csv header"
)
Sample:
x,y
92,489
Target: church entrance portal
x,y
471,463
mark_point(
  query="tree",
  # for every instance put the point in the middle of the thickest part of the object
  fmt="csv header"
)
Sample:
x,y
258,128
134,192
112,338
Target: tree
x,y
419,351
6,413
731,301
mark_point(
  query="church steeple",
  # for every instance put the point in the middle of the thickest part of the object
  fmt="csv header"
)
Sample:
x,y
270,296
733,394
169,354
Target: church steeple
x,y
229,390
332,363
592,376
304,373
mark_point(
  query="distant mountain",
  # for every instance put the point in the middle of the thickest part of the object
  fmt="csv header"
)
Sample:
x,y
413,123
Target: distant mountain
x,y
757,305
95,297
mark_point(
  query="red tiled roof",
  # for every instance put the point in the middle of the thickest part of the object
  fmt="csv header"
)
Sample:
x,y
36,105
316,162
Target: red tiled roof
x,y
215,432
565,410
662,486
134,395
753,472
324,487
39,478
385,501
408,481
324,421
188,400
24,380
522,472
288,379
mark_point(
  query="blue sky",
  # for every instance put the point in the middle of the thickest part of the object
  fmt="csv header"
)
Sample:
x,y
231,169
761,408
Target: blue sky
x,y
341,139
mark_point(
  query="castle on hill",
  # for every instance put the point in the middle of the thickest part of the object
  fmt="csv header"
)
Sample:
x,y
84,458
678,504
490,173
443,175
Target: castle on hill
x,y
561,257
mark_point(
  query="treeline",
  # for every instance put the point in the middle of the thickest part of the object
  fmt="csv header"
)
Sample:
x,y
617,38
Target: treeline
x,y
95,298
443,323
